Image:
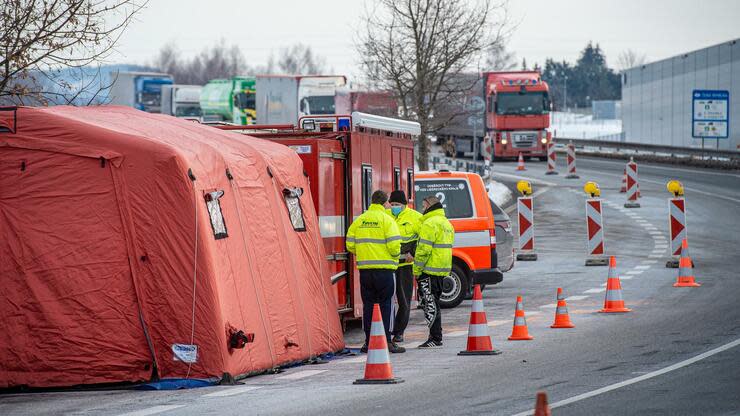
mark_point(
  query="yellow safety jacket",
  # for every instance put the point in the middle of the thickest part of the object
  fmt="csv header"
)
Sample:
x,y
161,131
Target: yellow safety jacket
x,y
434,250
409,223
374,239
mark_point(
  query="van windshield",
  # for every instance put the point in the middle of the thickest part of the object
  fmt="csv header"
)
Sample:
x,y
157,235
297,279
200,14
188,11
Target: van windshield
x,y
453,193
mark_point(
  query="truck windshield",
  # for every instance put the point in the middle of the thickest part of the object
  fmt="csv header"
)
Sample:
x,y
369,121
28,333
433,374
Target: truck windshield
x,y
245,100
188,111
318,104
509,103
454,195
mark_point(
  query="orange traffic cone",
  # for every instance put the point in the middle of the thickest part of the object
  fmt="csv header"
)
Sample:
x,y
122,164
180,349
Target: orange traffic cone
x,y
613,301
378,368
520,332
623,188
541,408
479,342
685,268
562,319
520,164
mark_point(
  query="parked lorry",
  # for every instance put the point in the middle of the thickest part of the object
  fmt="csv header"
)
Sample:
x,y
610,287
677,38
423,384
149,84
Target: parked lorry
x,y
346,158
463,133
231,100
517,114
140,90
379,103
284,99
181,100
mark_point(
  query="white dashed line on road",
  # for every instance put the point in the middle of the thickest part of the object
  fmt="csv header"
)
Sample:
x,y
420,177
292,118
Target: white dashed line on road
x,y
454,334
301,374
577,297
549,305
354,360
153,410
642,267
635,272
233,391
599,290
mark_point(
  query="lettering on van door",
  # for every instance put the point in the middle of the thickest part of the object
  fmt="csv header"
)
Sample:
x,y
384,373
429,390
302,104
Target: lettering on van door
x,y
453,194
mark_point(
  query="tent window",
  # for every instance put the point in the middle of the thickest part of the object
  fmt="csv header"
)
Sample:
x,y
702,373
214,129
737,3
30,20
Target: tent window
x,y
367,186
295,211
214,211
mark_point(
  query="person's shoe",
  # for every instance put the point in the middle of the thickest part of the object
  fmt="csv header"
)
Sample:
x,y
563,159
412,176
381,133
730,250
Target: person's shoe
x,y
431,344
395,348
363,349
397,338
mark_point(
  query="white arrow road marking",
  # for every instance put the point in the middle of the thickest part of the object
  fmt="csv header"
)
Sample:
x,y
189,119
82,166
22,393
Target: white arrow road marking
x,y
301,374
644,377
232,391
153,410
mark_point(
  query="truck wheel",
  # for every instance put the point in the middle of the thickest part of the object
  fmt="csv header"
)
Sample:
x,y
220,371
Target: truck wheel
x,y
454,287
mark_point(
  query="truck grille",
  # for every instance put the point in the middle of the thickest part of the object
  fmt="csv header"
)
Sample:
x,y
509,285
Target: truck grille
x,y
524,139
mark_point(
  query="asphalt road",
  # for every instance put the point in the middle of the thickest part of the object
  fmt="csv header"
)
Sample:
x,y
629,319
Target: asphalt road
x,y
667,326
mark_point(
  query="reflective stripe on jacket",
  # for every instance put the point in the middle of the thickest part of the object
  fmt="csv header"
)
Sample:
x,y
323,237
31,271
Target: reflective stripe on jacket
x,y
374,239
409,223
434,249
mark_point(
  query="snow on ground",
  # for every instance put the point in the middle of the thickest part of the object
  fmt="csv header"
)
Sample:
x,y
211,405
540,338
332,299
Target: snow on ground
x,y
581,126
499,193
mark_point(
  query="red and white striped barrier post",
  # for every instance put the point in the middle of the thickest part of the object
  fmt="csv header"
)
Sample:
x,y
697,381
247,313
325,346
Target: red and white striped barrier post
x,y
571,158
676,221
551,159
677,225
525,210
595,236
632,188
594,227
623,188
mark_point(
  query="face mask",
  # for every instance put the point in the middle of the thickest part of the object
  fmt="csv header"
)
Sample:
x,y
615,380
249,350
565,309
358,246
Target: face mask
x,y
396,210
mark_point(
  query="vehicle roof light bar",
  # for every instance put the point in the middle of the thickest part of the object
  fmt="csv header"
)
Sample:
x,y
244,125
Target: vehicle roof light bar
x,y
385,123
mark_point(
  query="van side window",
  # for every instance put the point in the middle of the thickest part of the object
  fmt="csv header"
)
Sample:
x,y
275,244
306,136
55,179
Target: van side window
x,y
454,194
367,185
396,179
295,210
410,184
214,212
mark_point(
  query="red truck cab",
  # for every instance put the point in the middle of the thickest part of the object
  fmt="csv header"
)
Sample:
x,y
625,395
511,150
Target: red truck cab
x,y
517,114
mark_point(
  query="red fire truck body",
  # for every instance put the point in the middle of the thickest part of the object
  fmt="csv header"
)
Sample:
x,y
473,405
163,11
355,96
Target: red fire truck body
x,y
347,158
517,114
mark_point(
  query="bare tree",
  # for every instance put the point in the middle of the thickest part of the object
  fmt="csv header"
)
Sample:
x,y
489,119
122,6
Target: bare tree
x,y
220,61
420,49
630,59
499,58
300,59
42,42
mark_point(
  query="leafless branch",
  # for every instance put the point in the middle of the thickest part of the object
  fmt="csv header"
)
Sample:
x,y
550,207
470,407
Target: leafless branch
x,y
40,39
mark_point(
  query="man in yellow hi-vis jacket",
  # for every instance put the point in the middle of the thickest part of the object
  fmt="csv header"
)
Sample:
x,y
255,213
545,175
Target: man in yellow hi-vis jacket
x,y
409,222
376,243
432,262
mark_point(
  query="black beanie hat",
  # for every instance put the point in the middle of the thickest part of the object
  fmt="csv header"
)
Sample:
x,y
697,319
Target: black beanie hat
x,y
398,196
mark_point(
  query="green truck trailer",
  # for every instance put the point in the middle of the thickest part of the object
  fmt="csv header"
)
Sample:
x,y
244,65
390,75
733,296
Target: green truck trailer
x,y
231,100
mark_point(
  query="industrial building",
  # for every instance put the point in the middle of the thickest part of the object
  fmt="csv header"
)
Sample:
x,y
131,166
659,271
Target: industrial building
x,y
663,102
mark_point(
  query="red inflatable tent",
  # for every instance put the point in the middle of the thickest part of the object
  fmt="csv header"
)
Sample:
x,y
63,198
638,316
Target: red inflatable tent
x,y
135,246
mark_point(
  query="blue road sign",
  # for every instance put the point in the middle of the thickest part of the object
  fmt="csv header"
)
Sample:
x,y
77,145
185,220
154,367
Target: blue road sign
x,y
710,118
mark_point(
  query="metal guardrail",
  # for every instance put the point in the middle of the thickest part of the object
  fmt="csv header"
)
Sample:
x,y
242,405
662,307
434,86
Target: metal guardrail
x,y
658,150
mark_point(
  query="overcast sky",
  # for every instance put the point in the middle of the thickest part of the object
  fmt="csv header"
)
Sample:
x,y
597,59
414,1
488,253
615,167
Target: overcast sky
x,y
544,28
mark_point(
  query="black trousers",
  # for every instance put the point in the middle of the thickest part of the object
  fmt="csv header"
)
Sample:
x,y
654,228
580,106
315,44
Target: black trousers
x,y
435,331
376,286
404,288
